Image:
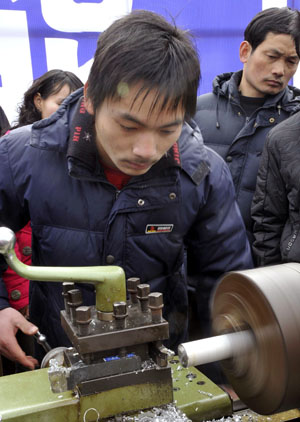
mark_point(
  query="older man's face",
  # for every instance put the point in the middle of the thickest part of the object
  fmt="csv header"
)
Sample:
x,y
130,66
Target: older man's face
x,y
268,69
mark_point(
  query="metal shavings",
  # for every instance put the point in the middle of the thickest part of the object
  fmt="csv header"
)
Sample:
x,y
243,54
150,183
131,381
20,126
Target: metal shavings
x,y
148,364
251,417
190,376
205,393
170,353
244,417
227,419
93,410
168,413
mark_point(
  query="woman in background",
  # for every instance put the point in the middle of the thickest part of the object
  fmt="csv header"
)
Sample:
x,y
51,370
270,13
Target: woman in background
x,y
45,96
42,99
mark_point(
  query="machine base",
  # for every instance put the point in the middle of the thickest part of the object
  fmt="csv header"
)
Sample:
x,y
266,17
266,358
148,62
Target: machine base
x,y
27,397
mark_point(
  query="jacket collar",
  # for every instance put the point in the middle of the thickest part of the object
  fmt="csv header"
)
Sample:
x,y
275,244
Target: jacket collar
x,y
52,133
195,161
226,84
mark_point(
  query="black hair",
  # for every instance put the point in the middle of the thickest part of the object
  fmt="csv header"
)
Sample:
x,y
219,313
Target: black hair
x,y
48,84
278,20
143,47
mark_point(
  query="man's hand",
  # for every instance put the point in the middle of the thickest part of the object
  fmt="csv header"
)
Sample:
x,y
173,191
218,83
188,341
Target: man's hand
x,y
10,322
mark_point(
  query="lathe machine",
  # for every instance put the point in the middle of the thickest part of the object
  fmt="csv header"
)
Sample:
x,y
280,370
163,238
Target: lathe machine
x,y
118,366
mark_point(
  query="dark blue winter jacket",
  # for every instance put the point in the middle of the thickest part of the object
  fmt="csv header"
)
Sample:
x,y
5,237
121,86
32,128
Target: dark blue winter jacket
x,y
78,218
237,138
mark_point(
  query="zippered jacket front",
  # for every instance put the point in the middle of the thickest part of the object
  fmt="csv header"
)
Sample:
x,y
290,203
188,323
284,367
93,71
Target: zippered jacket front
x,y
78,218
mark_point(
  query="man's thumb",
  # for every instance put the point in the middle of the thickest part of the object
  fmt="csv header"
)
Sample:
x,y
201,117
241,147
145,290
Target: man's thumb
x,y
27,327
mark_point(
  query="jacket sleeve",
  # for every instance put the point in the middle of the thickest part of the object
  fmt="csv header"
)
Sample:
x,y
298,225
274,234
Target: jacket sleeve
x,y
4,303
217,241
11,209
269,206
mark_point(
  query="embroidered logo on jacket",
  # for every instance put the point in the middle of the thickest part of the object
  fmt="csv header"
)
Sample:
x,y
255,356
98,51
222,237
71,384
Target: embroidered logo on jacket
x,y
159,228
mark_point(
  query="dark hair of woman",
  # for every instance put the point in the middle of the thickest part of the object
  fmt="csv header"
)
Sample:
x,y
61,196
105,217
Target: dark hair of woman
x,y
48,84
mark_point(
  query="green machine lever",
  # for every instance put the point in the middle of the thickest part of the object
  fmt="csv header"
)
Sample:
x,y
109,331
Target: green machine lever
x,y
109,281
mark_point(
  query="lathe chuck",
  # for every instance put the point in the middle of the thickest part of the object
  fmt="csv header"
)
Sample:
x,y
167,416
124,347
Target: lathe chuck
x,y
266,301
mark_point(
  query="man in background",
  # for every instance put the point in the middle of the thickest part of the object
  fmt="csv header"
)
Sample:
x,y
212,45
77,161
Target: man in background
x,y
236,117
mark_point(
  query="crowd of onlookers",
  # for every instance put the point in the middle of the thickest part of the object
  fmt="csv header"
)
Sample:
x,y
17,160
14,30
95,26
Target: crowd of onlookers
x,y
136,148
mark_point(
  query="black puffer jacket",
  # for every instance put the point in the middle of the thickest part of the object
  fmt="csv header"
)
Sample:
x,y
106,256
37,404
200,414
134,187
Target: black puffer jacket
x,y
237,138
276,203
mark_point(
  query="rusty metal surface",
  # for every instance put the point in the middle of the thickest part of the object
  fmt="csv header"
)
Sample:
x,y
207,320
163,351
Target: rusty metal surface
x,y
266,300
79,371
153,376
105,337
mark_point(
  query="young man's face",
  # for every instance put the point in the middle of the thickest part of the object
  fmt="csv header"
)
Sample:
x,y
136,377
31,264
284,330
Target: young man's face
x,y
268,69
130,135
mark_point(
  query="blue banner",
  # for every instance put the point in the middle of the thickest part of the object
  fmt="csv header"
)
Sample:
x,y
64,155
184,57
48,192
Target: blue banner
x,y
39,35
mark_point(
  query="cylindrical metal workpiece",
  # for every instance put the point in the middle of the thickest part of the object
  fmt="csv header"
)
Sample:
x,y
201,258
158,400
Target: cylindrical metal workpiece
x,y
216,348
156,305
132,284
83,319
67,286
74,301
143,291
